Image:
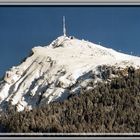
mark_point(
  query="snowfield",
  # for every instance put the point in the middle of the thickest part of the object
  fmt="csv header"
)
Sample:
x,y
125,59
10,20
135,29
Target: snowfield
x,y
51,72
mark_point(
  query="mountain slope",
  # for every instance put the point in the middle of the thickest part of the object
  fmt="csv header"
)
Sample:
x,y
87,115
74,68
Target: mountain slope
x,y
55,71
108,108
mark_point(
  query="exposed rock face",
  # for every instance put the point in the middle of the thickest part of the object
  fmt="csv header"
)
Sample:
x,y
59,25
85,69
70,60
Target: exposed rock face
x,y
54,72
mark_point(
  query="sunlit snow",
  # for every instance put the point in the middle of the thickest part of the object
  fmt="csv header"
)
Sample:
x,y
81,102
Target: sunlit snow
x,y
49,73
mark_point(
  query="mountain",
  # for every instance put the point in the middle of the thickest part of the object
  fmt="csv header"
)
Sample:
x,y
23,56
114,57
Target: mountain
x,y
54,72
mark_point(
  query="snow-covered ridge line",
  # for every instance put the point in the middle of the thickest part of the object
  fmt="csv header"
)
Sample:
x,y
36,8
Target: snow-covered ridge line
x,y
53,72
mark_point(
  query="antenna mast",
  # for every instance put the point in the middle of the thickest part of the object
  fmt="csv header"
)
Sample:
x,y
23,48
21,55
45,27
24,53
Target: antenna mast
x,y
64,27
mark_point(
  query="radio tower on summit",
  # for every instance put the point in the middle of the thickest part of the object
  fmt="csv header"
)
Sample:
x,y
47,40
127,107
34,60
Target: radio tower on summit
x,y
64,26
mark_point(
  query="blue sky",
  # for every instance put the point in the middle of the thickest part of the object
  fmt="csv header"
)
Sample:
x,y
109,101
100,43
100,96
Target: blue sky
x,y
22,28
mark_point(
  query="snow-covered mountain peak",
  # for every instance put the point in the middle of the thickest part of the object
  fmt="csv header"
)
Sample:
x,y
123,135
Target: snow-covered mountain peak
x,y
53,72
70,50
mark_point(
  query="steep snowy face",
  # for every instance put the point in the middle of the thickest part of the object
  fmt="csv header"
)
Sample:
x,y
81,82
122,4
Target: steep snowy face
x,y
55,71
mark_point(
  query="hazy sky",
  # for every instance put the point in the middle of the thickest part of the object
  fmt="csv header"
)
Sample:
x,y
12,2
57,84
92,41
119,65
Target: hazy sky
x,y
22,28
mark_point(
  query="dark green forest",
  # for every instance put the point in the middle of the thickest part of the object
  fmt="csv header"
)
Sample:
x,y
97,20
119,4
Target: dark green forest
x,y
111,107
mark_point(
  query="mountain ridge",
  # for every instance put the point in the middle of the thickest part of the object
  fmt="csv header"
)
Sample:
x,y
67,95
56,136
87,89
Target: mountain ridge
x,y
51,73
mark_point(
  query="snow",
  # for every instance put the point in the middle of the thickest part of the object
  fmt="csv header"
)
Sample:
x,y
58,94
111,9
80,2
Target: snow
x,y
4,92
49,73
